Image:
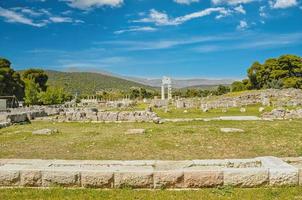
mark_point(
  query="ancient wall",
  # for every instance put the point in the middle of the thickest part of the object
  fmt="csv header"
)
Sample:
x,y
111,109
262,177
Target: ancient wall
x,y
149,174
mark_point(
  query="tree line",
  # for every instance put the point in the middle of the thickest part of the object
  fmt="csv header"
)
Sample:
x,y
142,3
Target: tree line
x,y
277,73
30,86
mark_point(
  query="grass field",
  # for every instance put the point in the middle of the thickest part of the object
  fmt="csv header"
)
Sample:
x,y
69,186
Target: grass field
x,y
294,193
170,141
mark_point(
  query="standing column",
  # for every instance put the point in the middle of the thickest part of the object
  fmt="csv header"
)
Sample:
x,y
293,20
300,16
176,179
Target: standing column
x,y
162,92
169,92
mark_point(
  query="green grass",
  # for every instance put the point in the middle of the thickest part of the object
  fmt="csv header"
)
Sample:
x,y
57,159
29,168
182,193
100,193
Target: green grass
x,y
172,141
294,193
198,113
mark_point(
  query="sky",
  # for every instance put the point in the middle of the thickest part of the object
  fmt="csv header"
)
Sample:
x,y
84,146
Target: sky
x,y
149,38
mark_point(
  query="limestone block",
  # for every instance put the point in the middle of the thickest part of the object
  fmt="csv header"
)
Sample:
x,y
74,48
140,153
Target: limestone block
x,y
252,177
31,178
9,177
168,179
202,178
95,179
61,178
283,177
45,131
231,130
135,131
137,179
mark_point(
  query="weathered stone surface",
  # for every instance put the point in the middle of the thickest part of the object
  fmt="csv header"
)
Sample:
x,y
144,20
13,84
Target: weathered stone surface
x,y
60,178
169,179
275,97
283,177
252,177
45,131
202,178
95,179
31,178
9,177
138,179
231,130
135,131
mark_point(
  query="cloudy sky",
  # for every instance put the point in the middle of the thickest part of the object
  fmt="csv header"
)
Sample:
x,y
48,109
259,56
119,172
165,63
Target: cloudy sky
x,y
149,38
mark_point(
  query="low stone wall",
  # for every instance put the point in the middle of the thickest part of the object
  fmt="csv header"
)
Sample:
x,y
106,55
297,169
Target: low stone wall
x,y
281,113
270,97
262,171
107,116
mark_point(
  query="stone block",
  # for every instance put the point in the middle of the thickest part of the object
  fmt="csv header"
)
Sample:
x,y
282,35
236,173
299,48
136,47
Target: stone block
x,y
283,177
168,179
9,177
94,179
60,178
202,178
31,178
246,177
137,179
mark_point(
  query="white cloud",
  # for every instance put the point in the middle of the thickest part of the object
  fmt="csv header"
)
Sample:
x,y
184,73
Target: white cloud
x,y
61,19
33,17
87,4
240,9
262,12
14,17
242,25
280,4
131,45
162,19
231,2
136,29
186,2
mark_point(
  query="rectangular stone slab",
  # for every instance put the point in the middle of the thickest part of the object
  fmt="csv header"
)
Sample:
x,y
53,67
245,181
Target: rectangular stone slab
x,y
202,178
168,179
253,177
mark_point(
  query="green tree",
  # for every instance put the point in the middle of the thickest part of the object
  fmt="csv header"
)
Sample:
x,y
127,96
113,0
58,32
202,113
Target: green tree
x,y
282,72
38,75
238,86
221,90
10,81
31,92
52,96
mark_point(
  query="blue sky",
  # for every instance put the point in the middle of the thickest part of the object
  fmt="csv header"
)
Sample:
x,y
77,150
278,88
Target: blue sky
x,y
149,38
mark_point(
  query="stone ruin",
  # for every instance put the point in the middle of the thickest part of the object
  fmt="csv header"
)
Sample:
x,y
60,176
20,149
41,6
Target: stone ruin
x,y
281,113
63,114
150,174
270,97
93,114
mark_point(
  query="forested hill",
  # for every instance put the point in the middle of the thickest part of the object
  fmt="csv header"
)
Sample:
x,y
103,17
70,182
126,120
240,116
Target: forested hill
x,y
88,82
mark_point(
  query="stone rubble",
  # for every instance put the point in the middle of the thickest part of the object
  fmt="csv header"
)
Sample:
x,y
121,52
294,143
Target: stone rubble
x,y
281,113
270,97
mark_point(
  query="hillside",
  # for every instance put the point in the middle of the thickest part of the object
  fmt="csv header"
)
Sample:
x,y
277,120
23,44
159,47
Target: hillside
x,y
184,83
88,83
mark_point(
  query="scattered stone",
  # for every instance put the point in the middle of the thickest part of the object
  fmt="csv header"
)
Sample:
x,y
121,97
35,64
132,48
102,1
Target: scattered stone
x,y
231,130
261,109
45,132
243,110
135,131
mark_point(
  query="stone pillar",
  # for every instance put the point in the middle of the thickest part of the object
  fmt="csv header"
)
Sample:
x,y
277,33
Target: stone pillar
x,y
163,92
169,92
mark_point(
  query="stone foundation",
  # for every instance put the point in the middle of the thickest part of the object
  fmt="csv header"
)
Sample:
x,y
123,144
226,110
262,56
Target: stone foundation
x,y
261,171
